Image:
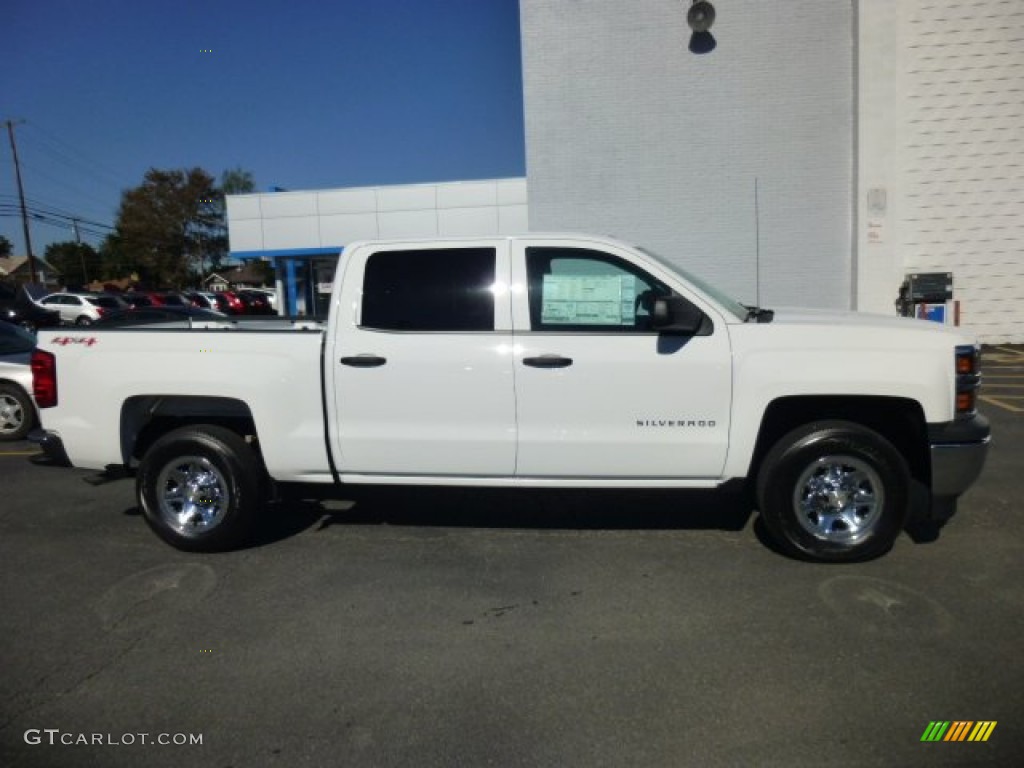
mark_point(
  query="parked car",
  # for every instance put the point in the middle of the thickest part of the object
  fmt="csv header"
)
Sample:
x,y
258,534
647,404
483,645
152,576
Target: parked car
x,y
81,308
135,299
16,307
165,317
207,300
171,299
17,409
270,293
236,304
256,302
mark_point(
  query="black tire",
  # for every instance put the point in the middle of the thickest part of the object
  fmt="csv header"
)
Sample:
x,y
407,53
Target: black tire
x,y
834,492
84,320
214,516
17,413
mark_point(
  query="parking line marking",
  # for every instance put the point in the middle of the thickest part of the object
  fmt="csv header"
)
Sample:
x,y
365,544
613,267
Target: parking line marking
x,y
1000,404
20,453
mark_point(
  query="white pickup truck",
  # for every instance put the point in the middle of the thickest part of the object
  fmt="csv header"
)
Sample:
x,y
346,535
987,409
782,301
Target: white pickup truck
x,y
541,360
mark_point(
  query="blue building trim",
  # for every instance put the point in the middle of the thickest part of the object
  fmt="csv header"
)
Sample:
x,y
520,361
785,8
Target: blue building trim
x,y
296,252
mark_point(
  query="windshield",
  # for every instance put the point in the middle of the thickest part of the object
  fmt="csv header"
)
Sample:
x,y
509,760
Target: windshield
x,y
723,299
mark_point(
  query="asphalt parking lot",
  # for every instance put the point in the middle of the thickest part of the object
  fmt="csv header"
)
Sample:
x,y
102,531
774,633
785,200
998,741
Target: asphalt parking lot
x,y
417,627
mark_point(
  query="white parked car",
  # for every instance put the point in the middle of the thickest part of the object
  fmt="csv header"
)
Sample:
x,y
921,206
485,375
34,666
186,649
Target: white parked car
x,y
17,410
81,308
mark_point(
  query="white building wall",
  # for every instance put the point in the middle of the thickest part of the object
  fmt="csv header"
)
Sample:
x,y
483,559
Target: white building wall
x,y
629,133
942,142
322,219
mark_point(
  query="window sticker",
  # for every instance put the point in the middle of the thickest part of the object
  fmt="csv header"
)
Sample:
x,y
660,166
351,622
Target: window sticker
x,y
589,300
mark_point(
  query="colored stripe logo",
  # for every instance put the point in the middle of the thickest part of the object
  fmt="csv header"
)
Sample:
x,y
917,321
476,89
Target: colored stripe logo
x,y
959,730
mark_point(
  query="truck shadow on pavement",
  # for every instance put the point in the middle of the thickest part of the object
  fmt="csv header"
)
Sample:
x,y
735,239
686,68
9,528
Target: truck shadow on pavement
x,y
561,509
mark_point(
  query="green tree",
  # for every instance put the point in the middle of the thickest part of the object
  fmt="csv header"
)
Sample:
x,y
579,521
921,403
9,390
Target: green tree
x,y
6,247
170,223
77,263
116,262
234,181
237,181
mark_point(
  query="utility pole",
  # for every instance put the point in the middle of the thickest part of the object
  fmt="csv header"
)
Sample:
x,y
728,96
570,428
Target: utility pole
x,y
81,253
21,197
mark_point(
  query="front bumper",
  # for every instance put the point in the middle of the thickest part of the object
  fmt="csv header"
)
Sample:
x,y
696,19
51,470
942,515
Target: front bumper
x,y
52,445
958,451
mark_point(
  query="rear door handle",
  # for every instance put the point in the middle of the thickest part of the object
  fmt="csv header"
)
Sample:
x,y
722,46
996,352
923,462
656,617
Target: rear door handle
x,y
548,361
364,361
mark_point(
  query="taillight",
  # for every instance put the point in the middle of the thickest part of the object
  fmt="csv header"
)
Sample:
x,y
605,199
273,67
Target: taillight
x,y
968,378
44,378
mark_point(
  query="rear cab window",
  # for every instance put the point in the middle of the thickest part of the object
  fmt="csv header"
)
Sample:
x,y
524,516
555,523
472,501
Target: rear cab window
x,y
433,290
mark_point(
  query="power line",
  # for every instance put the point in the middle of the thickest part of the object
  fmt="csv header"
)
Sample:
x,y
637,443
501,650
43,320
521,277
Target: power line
x,y
39,205
72,155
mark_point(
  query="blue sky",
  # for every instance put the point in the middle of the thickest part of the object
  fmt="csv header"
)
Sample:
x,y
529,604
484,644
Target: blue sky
x,y
305,95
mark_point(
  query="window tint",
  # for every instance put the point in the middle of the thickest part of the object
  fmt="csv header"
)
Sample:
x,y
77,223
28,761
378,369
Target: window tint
x,y
573,289
446,289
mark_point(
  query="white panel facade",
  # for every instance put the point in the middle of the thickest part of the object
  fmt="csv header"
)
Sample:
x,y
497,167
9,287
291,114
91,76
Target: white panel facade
x,y
407,223
353,200
512,192
629,133
458,222
282,204
410,198
467,195
513,219
291,232
329,219
942,134
346,227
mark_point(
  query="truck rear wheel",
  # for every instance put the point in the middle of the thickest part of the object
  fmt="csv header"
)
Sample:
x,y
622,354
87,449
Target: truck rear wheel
x,y
199,488
834,492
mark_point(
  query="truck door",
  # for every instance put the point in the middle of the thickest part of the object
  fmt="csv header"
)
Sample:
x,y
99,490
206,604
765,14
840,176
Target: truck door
x,y
600,393
423,379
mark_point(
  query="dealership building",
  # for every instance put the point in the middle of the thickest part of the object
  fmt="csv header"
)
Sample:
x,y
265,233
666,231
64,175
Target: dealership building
x,y
813,153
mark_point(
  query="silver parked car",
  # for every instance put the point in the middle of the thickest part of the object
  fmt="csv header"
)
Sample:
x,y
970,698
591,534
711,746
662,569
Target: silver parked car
x,y
17,409
81,308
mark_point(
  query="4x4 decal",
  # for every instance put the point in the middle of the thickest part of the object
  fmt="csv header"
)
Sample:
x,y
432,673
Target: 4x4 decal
x,y
65,340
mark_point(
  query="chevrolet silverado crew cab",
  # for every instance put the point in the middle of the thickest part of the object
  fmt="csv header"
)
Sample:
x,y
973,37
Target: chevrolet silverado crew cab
x,y
542,360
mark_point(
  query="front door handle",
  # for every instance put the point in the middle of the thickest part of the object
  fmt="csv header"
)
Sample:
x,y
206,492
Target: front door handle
x,y
364,361
548,361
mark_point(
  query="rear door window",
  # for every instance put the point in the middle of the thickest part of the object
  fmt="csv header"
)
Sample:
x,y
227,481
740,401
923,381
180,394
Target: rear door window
x,y
438,290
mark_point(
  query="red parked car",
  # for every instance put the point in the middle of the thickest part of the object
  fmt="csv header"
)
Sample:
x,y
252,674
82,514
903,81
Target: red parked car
x,y
236,304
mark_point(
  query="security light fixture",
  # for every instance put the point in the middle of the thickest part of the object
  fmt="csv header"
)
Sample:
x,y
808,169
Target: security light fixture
x,y
701,16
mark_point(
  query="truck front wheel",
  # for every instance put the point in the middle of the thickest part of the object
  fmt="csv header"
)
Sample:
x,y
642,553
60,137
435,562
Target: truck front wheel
x,y
199,488
834,492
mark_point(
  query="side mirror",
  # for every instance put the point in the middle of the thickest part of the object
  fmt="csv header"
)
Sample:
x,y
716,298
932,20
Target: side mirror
x,y
674,314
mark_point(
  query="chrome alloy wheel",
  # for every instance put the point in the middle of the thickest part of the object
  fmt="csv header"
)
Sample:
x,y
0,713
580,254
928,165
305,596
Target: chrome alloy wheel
x,y
192,495
12,415
839,499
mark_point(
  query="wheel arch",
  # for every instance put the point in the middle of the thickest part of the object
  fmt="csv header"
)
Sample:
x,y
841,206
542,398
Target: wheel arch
x,y
899,420
146,418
